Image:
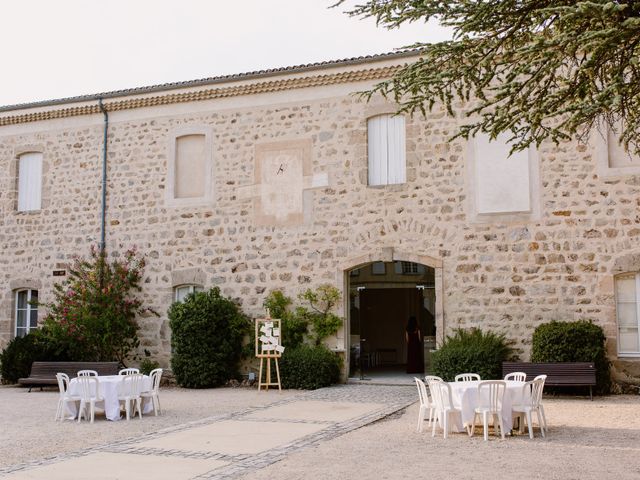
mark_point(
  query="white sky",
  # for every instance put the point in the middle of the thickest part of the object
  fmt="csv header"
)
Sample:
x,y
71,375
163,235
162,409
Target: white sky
x,y
59,48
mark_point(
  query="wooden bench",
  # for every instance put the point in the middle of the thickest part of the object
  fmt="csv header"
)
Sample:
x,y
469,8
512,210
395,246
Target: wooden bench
x,y
44,373
561,374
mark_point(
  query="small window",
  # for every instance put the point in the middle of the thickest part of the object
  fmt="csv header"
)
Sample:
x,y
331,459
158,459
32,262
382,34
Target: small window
x,y
26,311
628,313
410,268
30,182
378,268
386,150
183,290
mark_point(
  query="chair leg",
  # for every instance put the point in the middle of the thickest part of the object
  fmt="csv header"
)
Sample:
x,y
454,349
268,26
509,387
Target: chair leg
x,y
435,422
544,418
529,423
127,408
93,410
501,423
58,409
420,418
446,424
139,405
81,410
540,423
157,397
485,424
473,425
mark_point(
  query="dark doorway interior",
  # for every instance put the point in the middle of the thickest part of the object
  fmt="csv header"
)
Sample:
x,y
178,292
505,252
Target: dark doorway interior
x,y
381,304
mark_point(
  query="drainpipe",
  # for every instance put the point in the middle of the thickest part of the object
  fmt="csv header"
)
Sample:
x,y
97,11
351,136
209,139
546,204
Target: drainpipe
x,y
103,210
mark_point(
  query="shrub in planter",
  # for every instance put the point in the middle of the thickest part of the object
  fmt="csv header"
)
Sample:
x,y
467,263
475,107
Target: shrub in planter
x,y
580,341
21,352
471,351
207,330
309,367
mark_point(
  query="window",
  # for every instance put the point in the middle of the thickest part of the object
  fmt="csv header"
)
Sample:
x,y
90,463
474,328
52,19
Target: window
x,y
29,181
189,178
410,268
26,312
628,313
386,150
183,290
378,268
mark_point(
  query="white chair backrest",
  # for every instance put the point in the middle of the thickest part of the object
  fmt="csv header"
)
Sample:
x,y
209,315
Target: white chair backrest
x,y
128,371
491,393
156,376
532,391
131,385
88,386
441,394
87,373
428,378
63,382
422,392
467,377
516,376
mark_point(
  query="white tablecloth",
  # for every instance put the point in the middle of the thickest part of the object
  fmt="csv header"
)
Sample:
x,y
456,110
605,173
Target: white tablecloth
x,y
465,396
108,386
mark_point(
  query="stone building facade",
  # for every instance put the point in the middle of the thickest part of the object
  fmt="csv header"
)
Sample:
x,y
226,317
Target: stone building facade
x,y
280,196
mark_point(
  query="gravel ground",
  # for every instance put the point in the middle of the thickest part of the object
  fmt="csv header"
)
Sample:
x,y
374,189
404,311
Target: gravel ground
x,y
28,431
586,440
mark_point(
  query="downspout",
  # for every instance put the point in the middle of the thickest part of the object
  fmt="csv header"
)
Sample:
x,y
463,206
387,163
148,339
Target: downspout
x,y
103,209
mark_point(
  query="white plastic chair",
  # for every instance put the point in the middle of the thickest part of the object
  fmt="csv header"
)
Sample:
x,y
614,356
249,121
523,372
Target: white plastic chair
x,y
64,398
467,377
428,378
89,394
531,402
156,376
129,392
128,371
443,406
516,376
87,373
426,407
490,396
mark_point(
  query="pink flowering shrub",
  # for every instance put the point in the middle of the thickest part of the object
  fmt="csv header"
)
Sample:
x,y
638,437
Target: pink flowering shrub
x,y
93,315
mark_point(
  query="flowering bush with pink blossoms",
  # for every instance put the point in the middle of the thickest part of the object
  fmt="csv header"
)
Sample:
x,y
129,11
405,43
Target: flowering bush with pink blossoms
x,y
93,315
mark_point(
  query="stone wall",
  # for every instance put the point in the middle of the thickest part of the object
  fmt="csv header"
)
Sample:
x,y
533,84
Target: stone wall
x,y
508,276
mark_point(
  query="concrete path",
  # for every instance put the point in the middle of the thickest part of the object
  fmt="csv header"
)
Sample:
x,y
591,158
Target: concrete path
x,y
229,445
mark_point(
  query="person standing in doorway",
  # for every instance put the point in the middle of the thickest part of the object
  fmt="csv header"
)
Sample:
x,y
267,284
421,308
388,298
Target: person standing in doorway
x,y
413,337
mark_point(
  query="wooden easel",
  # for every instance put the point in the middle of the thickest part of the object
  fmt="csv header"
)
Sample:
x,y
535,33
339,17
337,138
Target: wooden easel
x,y
267,350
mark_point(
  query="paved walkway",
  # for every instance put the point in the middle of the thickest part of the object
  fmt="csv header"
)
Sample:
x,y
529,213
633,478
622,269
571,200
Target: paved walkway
x,y
229,445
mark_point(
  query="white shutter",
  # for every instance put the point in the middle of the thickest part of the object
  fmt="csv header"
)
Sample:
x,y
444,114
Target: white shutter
x,y
30,182
386,143
397,164
627,288
377,140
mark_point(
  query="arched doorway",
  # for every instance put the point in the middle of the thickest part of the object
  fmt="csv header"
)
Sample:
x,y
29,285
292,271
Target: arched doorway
x,y
381,293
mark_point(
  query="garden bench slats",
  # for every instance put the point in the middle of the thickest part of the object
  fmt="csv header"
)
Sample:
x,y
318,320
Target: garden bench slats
x,y
44,373
559,374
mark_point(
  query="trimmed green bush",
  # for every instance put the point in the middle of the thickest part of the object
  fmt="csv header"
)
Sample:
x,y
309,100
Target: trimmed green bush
x,y
580,341
146,365
207,330
309,367
471,351
21,352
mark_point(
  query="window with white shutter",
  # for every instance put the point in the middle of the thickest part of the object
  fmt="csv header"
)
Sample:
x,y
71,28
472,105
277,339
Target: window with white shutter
x,y
386,150
26,314
628,313
30,182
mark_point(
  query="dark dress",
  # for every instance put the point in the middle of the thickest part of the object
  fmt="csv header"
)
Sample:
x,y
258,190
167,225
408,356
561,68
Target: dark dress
x,y
415,364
